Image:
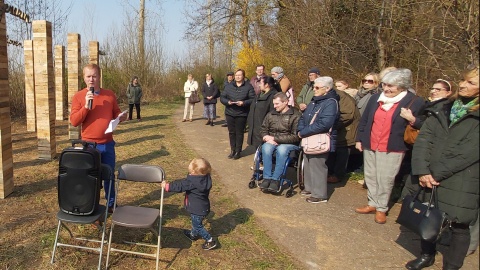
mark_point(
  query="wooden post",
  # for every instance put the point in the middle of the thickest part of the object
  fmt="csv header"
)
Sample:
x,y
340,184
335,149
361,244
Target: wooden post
x,y
44,89
6,158
60,98
29,86
74,82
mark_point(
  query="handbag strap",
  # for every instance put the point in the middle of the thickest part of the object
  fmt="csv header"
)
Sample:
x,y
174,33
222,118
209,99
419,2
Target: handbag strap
x,y
315,115
411,102
433,202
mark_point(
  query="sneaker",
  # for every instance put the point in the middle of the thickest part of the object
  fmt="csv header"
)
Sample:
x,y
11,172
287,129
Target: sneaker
x,y
265,183
305,193
209,245
316,200
274,186
189,235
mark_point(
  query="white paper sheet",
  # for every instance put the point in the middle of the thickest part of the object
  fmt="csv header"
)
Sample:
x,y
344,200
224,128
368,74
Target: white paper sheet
x,y
114,123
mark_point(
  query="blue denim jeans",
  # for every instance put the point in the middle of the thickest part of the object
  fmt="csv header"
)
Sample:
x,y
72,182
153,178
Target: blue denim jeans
x,y
197,227
107,152
281,154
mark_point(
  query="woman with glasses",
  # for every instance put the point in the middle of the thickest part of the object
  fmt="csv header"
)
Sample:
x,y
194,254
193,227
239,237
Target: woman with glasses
x,y
325,106
368,88
440,91
380,138
446,155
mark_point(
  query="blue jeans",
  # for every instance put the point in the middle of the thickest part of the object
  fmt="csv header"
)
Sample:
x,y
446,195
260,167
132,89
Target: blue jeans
x,y
107,152
281,154
197,227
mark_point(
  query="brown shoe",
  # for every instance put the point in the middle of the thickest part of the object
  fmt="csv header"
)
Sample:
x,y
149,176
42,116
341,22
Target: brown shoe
x,y
380,217
366,210
184,120
333,179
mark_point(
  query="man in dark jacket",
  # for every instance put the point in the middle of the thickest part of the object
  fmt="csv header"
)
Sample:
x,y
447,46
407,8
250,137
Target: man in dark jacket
x,y
279,132
346,128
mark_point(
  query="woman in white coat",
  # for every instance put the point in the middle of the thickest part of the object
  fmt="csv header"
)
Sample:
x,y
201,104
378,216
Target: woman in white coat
x,y
190,86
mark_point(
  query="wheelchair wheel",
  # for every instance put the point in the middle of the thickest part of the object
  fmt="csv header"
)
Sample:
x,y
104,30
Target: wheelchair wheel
x,y
300,172
251,184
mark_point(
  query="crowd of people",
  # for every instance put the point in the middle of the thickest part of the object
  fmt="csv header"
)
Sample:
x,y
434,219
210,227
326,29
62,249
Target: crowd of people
x,y
367,124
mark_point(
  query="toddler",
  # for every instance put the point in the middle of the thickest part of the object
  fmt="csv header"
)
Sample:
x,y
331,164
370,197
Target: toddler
x,y
197,187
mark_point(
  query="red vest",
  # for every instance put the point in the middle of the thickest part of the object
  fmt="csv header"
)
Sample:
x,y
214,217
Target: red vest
x,y
382,124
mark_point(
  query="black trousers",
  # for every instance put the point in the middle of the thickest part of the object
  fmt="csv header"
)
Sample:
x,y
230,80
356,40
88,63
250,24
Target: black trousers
x,y
453,258
337,161
130,110
236,128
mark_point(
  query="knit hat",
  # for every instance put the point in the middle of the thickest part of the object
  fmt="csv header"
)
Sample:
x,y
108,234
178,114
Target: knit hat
x,y
314,70
277,70
230,73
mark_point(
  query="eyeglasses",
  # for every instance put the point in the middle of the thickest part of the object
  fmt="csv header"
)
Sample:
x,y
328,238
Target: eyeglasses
x,y
367,81
318,87
437,89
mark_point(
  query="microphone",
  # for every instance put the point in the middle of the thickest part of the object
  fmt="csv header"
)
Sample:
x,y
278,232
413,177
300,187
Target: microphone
x,y
90,101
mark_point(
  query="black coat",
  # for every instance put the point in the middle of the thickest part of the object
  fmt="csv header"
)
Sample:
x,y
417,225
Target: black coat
x,y
258,109
197,189
208,91
233,92
451,156
395,140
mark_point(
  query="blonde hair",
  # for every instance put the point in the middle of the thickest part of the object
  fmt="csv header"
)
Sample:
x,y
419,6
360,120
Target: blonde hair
x,y
91,67
376,79
470,72
199,166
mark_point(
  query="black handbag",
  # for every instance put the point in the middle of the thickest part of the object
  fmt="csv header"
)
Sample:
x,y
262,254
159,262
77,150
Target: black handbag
x,y
424,219
194,98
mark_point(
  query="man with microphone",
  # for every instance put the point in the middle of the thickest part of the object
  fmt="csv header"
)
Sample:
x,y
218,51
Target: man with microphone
x,y
94,108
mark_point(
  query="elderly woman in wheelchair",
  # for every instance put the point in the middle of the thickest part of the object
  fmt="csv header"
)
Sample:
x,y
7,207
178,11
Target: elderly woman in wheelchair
x,y
279,133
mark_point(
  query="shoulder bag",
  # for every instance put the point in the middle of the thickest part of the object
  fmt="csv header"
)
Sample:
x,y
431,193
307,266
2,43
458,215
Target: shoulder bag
x,y
194,98
411,133
424,219
318,143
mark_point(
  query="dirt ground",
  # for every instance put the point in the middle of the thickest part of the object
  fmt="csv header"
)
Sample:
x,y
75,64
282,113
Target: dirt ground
x,y
321,236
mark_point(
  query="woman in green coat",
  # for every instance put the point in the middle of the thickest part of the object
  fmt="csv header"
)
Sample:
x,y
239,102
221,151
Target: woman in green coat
x,y
446,155
134,94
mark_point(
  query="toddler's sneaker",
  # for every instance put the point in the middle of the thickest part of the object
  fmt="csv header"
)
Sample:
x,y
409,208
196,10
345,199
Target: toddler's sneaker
x,y
189,235
209,245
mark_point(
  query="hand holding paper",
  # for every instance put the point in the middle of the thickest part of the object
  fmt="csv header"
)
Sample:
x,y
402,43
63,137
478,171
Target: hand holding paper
x,y
114,123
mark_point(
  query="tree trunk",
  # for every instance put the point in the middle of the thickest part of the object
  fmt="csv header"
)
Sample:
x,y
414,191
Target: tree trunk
x,y
141,37
380,45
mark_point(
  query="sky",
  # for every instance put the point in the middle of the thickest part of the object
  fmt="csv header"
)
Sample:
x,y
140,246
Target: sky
x,y
106,14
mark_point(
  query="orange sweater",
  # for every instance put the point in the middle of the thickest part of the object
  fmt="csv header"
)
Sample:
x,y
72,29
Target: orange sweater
x,y
95,122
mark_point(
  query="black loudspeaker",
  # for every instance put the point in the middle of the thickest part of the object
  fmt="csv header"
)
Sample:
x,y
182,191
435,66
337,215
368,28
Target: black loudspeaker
x,y
79,178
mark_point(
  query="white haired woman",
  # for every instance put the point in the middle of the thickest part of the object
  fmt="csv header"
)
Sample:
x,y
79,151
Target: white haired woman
x,y
325,106
380,138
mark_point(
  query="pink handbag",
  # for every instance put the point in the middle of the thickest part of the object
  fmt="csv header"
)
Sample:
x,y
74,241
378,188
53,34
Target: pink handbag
x,y
318,143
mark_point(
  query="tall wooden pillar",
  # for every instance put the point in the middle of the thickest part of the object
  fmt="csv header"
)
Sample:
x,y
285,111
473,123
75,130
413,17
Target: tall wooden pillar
x,y
60,98
6,155
74,82
29,86
44,89
93,55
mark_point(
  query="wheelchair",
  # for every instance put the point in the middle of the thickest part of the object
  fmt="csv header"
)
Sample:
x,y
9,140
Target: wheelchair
x,y
295,160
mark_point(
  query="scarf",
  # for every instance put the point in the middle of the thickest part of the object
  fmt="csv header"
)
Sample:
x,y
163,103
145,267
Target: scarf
x,y
363,92
387,103
208,82
459,109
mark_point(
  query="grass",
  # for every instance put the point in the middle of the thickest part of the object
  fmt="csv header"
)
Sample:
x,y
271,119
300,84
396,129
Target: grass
x,y
28,223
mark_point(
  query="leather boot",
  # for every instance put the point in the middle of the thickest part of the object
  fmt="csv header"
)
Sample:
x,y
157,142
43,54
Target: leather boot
x,y
236,155
380,217
365,210
232,153
208,122
425,260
